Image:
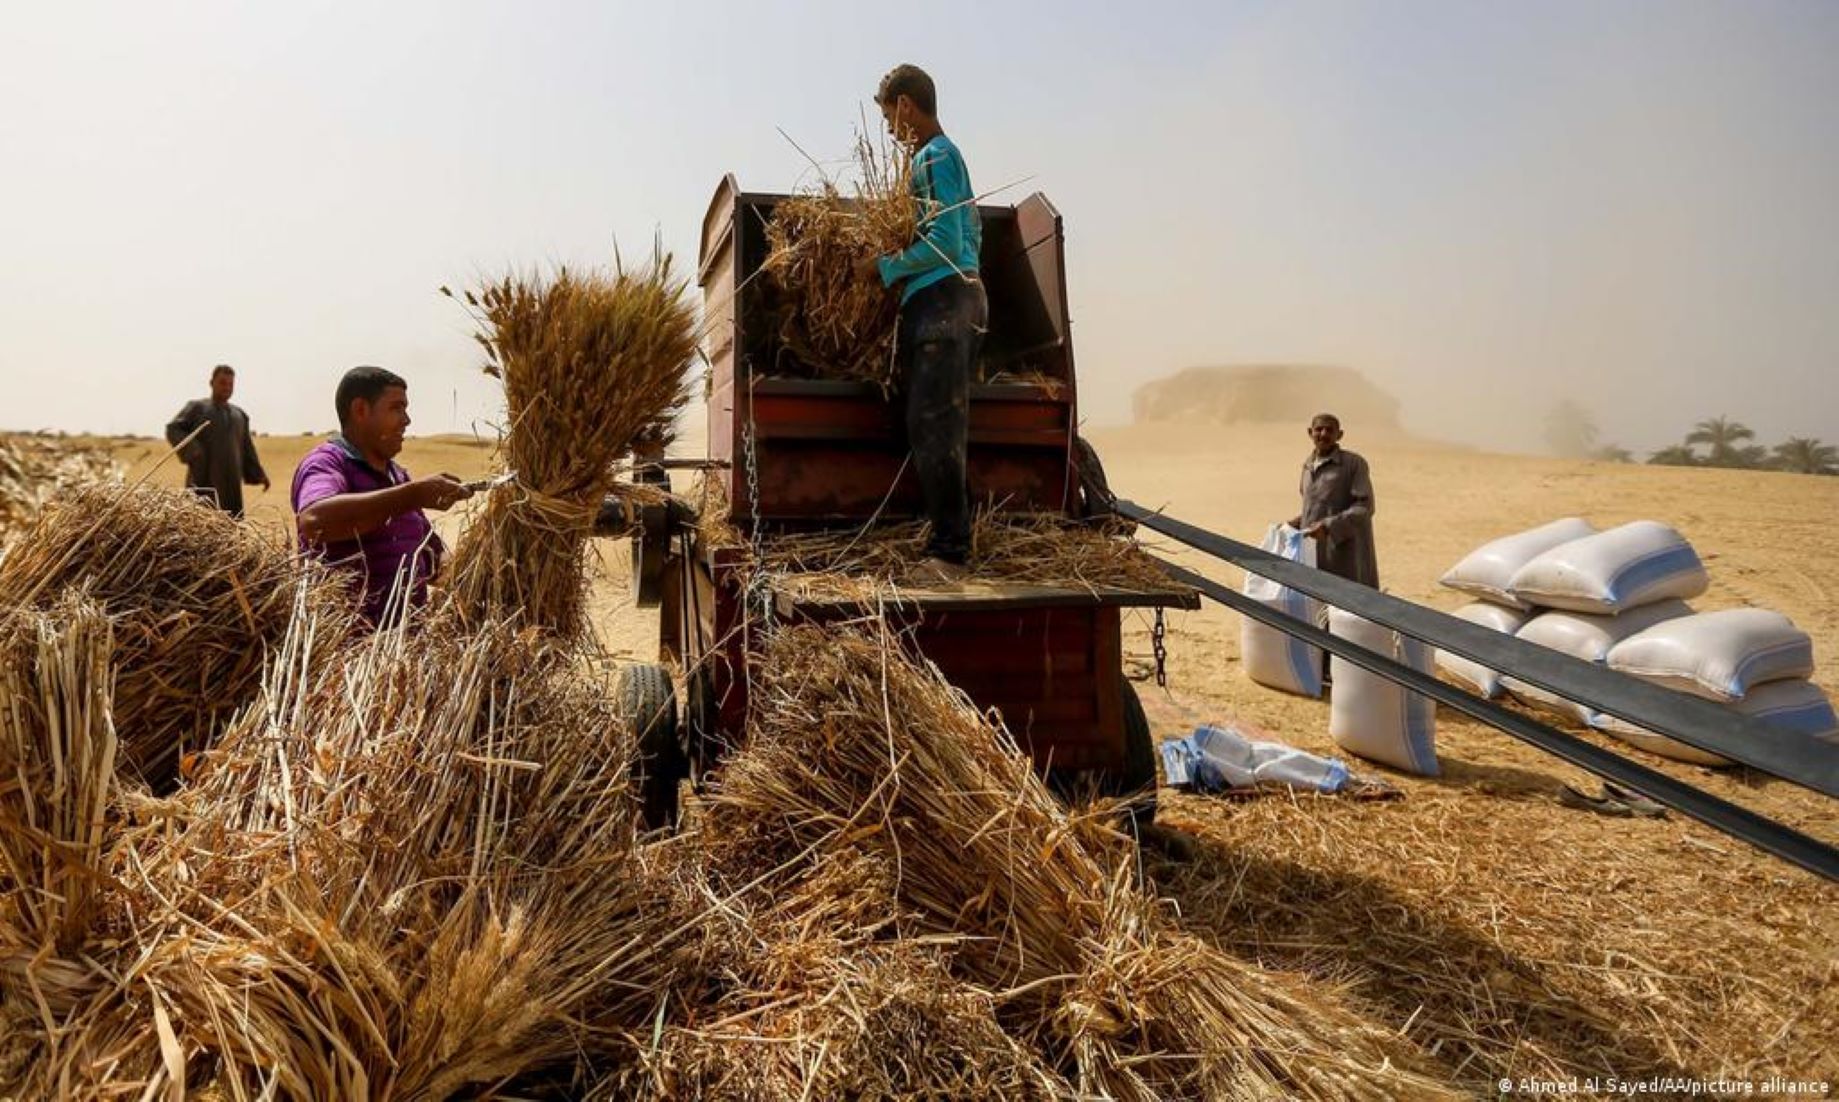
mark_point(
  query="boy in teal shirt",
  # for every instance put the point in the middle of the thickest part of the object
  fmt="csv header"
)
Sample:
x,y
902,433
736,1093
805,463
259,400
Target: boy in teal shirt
x,y
943,312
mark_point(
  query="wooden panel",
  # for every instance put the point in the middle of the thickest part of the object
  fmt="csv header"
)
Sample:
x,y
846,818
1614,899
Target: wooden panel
x,y
844,482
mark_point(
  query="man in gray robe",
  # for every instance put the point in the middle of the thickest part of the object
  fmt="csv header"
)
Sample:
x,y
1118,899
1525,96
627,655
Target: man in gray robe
x,y
221,460
1337,514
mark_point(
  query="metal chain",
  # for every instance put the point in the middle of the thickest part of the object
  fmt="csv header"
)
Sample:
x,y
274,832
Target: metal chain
x,y
758,590
1158,637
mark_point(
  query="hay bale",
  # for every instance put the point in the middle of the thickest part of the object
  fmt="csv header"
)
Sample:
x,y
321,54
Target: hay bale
x,y
198,601
800,984
590,363
853,747
833,322
880,1022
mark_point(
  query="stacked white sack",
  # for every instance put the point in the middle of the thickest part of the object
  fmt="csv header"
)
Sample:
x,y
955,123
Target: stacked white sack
x,y
1484,681
1612,572
1588,638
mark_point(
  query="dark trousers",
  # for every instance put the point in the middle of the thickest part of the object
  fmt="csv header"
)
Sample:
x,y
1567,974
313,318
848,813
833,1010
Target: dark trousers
x,y
940,336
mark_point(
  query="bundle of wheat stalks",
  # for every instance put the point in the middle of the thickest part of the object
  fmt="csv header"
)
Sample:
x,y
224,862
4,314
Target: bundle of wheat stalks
x,y
802,984
858,758
834,322
408,872
35,468
590,363
57,753
197,599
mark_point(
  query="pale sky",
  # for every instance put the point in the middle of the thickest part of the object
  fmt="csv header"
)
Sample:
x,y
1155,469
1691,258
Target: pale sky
x,y
1483,206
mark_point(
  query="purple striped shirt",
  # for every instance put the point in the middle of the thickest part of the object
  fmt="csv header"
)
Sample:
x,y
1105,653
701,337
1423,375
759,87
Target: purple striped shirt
x,y
405,547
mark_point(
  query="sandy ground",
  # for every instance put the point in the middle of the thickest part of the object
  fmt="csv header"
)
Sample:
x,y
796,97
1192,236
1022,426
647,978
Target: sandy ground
x,y
1508,934
1604,944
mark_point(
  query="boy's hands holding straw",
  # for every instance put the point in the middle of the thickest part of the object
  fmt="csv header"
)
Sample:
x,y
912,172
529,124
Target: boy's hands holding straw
x,y
869,267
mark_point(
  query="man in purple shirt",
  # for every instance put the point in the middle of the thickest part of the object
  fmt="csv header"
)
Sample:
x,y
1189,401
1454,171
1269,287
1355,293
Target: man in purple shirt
x,y
358,510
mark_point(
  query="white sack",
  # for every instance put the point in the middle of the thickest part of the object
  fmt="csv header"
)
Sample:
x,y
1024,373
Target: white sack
x,y
1487,572
1373,717
1271,657
1795,705
1613,572
1719,655
1485,682
1587,638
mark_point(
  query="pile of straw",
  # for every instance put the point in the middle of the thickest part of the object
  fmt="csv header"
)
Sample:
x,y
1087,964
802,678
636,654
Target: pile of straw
x,y
407,873
35,468
854,751
410,868
57,755
1019,548
835,323
198,601
58,825
590,363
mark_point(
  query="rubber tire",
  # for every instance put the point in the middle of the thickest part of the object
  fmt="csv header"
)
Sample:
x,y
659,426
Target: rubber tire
x,y
1135,783
648,700
701,716
1138,777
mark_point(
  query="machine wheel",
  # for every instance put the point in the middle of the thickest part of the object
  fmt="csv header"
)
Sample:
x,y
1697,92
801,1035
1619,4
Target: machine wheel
x,y
1137,782
1134,785
702,713
649,701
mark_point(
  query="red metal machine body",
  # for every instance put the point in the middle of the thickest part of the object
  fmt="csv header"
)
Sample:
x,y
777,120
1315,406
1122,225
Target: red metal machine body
x,y
802,453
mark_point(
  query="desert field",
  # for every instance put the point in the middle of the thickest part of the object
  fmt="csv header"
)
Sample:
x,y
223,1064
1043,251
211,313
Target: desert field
x,y
1506,933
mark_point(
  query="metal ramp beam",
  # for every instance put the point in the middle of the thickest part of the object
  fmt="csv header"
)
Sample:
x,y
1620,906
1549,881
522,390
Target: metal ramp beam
x,y
1696,722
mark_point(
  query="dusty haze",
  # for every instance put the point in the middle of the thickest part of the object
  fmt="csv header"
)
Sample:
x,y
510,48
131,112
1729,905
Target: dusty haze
x,y
1482,208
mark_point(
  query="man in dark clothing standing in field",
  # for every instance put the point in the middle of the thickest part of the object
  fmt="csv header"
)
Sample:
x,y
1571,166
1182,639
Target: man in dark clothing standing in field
x,y
943,313
221,460
1337,514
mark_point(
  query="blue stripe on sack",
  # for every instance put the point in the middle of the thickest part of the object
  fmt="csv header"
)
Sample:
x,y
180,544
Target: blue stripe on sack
x,y
1308,681
1740,680
1296,605
1648,570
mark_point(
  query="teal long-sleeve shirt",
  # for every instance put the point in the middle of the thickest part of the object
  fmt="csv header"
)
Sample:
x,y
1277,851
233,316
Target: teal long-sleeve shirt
x,y
951,235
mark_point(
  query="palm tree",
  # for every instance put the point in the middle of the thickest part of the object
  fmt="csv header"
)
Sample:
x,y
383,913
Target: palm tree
x,y
1721,435
1806,455
1752,457
1674,455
